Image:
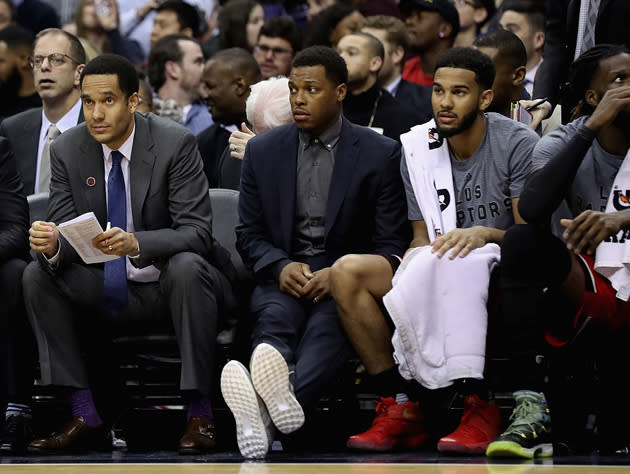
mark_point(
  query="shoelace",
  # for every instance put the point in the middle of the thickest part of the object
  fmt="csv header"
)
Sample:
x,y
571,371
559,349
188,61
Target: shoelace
x,y
526,414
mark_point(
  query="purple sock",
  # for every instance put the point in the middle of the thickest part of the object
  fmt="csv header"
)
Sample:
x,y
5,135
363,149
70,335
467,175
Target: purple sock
x,y
200,407
82,404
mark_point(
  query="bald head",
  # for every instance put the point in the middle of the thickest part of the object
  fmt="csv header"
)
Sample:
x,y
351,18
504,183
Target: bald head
x,y
228,76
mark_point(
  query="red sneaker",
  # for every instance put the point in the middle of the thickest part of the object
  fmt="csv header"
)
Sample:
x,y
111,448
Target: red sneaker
x,y
395,426
480,425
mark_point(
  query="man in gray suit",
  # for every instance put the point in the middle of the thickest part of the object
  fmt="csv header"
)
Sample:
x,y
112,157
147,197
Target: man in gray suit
x,y
143,175
57,62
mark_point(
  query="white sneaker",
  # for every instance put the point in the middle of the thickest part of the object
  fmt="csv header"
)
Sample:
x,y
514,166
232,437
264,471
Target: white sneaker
x,y
270,376
254,431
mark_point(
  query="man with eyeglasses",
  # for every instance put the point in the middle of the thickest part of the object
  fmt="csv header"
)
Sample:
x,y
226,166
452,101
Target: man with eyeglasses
x,y
278,42
57,61
16,82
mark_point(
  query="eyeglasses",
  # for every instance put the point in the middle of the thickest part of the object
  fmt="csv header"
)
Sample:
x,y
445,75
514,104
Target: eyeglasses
x,y
54,59
261,48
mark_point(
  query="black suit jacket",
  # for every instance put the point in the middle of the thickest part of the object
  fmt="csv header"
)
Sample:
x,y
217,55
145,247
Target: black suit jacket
x,y
22,131
169,192
394,117
366,210
14,215
561,35
417,98
212,143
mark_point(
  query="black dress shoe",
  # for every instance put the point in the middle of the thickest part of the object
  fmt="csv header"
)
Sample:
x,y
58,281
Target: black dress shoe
x,y
75,437
199,437
16,434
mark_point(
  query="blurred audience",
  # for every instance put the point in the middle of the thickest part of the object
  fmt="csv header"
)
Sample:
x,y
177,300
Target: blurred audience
x,y
331,24
278,42
473,16
36,15
97,28
7,13
17,88
393,35
432,27
239,25
175,68
175,17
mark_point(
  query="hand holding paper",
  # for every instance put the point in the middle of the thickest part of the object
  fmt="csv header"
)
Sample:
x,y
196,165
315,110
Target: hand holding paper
x,y
80,232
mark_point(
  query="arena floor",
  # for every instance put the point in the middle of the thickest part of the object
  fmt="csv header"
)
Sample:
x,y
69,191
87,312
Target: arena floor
x,y
163,462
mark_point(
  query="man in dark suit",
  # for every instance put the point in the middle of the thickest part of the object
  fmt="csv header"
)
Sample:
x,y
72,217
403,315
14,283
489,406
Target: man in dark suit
x,y
392,33
16,342
58,59
564,42
143,175
311,192
227,77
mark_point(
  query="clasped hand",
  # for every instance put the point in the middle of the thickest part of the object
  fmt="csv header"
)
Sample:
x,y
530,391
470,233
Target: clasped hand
x,y
296,279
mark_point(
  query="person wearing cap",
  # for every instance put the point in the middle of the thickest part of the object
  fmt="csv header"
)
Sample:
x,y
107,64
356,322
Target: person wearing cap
x,y
432,26
473,16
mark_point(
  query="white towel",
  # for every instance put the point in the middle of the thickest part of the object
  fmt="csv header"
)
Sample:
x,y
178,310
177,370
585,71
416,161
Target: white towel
x,y
612,258
439,306
429,166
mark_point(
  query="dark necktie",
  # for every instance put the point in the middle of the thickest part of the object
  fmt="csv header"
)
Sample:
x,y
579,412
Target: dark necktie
x,y
115,284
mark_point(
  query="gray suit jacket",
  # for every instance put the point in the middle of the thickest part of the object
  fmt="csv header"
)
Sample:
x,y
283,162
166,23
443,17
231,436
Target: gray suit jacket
x,y
22,131
169,192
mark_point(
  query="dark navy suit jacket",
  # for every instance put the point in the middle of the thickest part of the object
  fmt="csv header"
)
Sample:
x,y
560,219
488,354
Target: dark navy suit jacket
x,y
366,210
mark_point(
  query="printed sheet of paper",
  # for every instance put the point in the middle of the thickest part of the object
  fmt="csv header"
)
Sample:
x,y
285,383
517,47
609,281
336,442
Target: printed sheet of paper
x,y
79,233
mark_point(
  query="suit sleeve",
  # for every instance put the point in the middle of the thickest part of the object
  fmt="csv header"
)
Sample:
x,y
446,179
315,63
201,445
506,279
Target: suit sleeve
x,y
253,239
556,58
14,215
189,209
392,231
61,207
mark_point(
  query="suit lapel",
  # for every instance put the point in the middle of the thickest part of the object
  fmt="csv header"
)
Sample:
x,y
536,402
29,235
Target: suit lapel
x,y
286,171
30,137
92,177
141,168
345,162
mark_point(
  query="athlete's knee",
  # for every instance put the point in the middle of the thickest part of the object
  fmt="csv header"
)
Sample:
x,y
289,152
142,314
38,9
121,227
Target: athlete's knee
x,y
346,274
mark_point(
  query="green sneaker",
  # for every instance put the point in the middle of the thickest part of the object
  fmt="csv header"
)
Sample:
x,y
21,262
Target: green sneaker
x,y
529,433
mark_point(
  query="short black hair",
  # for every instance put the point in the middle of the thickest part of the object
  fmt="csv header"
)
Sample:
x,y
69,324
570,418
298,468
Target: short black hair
x,y
374,44
77,52
534,10
510,48
470,59
334,65
165,49
16,36
241,61
581,73
187,15
114,64
283,27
